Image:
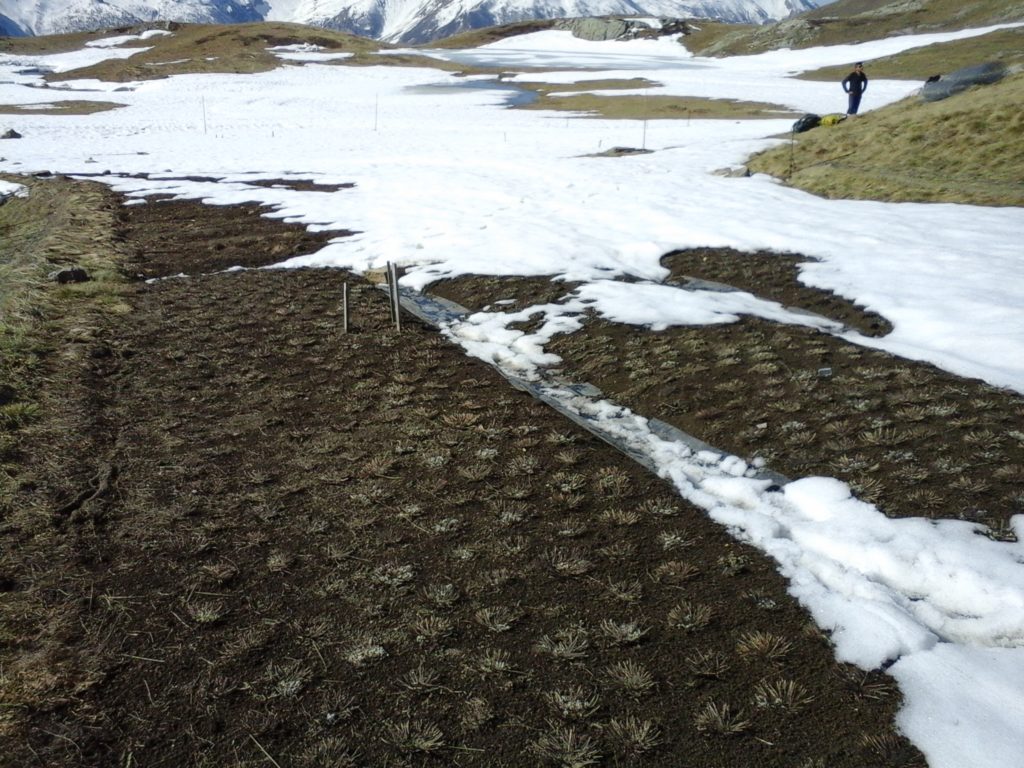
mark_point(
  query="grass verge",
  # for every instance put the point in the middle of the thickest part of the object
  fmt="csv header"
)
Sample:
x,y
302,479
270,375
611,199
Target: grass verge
x,y
35,239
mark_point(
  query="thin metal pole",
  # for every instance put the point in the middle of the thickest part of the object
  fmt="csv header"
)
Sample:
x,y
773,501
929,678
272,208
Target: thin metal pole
x,y
387,279
643,144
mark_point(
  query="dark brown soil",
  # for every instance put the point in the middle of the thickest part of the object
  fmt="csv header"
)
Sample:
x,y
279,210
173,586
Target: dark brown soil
x,y
914,439
169,237
244,537
772,276
502,294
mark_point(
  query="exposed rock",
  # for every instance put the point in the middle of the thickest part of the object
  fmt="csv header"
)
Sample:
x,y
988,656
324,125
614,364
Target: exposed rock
x,y
893,9
623,152
621,29
10,133
594,29
736,172
790,33
70,275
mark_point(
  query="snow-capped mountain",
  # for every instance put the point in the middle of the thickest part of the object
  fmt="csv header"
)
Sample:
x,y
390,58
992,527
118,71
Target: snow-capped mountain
x,y
50,17
421,20
408,21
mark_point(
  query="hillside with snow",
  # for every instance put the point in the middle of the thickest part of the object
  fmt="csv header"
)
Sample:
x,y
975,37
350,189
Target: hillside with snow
x,y
403,21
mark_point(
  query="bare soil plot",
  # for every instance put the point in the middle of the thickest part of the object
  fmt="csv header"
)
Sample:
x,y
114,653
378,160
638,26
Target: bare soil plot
x,y
914,439
243,537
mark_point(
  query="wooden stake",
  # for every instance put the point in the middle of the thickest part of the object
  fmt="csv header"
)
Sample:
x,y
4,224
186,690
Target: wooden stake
x,y
391,299
792,150
397,304
344,307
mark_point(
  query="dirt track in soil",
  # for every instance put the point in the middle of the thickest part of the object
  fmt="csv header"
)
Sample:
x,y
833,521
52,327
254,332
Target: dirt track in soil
x,y
301,547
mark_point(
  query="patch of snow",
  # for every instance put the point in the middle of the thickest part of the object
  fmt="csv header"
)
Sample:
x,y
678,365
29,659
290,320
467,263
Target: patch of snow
x,y
10,189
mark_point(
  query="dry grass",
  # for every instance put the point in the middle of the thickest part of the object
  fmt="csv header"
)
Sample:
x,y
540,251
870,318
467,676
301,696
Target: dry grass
x,y
964,149
567,747
781,694
634,736
49,44
477,37
713,38
1005,45
204,48
912,439
721,719
38,316
582,97
70,107
36,240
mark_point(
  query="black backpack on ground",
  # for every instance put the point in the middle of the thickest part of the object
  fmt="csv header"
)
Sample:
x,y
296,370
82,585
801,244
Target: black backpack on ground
x,y
806,122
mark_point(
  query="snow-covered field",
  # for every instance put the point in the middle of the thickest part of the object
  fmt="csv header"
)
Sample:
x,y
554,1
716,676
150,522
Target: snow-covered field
x,y
450,182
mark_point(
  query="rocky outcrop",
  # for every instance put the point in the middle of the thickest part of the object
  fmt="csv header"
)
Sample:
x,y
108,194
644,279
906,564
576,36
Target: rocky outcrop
x,y
621,29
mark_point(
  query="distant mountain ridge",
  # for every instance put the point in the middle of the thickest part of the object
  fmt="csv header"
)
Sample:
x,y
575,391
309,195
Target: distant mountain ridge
x,y
395,21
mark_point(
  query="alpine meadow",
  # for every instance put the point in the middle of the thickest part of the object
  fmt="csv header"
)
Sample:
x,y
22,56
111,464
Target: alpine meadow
x,y
535,396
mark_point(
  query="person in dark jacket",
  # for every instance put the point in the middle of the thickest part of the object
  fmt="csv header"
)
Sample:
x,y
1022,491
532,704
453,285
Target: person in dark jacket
x,y
855,84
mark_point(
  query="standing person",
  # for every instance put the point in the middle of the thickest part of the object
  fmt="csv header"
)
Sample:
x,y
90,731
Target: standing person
x,y
855,84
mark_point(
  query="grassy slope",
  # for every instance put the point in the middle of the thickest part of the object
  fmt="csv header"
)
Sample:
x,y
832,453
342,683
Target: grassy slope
x,y
199,48
1006,45
477,37
853,21
965,149
35,239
